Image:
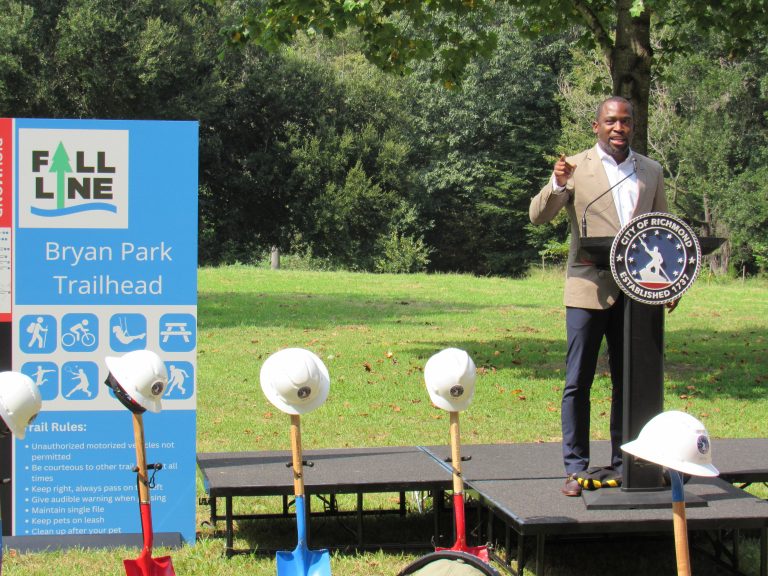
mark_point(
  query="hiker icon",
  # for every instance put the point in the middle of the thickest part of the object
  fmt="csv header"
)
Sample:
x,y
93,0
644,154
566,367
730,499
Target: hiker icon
x,y
178,332
38,334
128,332
45,375
180,380
78,332
80,376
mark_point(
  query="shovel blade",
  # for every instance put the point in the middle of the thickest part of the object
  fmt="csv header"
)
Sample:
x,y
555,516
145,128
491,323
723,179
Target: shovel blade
x,y
148,566
303,562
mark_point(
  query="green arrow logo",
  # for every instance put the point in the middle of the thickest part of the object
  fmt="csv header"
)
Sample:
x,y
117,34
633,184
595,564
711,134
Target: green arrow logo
x,y
60,166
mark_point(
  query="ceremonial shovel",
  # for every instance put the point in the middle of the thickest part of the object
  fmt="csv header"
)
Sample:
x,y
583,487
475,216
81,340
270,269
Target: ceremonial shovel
x,y
301,561
145,565
680,443
458,497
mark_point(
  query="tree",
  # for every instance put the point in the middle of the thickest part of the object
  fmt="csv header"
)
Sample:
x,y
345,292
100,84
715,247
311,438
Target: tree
x,y
311,154
107,58
709,130
712,136
397,32
484,148
18,59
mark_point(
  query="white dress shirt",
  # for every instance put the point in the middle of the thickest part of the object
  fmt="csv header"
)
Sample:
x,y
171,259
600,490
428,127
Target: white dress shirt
x,y
625,194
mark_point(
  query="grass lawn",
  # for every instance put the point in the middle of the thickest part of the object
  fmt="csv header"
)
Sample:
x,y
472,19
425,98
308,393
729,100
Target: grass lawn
x,y
375,332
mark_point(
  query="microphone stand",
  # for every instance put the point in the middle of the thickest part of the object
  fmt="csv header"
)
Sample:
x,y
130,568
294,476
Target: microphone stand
x,y
584,215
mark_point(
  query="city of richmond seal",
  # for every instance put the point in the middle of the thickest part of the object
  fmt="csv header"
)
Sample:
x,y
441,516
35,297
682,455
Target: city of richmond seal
x,y
655,258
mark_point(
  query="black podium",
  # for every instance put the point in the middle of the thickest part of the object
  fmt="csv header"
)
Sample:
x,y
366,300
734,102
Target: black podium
x,y
643,484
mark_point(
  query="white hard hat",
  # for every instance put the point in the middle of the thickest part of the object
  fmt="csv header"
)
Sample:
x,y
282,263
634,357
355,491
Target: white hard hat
x,y
20,401
675,440
141,376
450,378
295,380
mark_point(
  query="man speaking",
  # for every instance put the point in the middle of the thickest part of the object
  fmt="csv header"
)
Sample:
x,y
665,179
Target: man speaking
x,y
601,189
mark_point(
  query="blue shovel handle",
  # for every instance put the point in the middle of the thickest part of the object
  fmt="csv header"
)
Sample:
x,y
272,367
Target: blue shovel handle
x,y
678,492
301,522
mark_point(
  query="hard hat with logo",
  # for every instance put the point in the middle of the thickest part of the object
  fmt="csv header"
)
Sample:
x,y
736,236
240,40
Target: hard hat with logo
x,y
295,380
20,401
139,379
675,440
450,378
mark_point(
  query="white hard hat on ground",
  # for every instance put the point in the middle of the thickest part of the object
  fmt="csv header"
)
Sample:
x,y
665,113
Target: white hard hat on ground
x,y
20,401
450,378
295,380
139,379
675,440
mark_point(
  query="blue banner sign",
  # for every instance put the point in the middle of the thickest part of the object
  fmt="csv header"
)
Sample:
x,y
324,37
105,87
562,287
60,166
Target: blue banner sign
x,y
103,262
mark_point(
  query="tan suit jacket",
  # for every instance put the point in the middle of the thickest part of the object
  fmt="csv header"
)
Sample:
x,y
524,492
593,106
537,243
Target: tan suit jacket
x,y
586,286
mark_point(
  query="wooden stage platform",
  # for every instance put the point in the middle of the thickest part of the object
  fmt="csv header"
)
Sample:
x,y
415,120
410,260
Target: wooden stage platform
x,y
515,486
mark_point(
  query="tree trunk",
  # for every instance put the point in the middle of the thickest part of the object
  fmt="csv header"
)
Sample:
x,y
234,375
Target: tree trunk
x,y
275,258
631,67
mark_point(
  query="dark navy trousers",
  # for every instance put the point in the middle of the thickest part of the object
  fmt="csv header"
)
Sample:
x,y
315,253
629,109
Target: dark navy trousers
x,y
585,331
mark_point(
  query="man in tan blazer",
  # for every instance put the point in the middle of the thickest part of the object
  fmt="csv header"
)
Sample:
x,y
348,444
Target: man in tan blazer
x,y
601,189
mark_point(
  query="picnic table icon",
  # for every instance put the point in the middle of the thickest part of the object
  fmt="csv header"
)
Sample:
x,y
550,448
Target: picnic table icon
x,y
176,329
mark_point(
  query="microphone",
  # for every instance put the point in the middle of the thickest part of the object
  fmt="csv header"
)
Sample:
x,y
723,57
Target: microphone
x,y
584,216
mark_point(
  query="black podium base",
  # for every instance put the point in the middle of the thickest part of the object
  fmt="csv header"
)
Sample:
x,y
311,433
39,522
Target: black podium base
x,y
618,499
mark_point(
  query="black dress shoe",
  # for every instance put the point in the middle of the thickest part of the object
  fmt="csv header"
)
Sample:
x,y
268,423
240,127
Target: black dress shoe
x,y
571,487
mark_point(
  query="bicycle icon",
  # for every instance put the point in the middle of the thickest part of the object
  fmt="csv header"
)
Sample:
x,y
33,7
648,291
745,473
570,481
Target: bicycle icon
x,y
78,332
71,338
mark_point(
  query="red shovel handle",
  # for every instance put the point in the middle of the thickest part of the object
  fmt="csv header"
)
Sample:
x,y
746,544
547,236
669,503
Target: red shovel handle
x,y
458,518
145,564
458,483
146,526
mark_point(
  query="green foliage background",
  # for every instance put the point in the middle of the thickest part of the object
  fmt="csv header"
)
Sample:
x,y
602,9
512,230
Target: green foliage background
x,y
312,149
